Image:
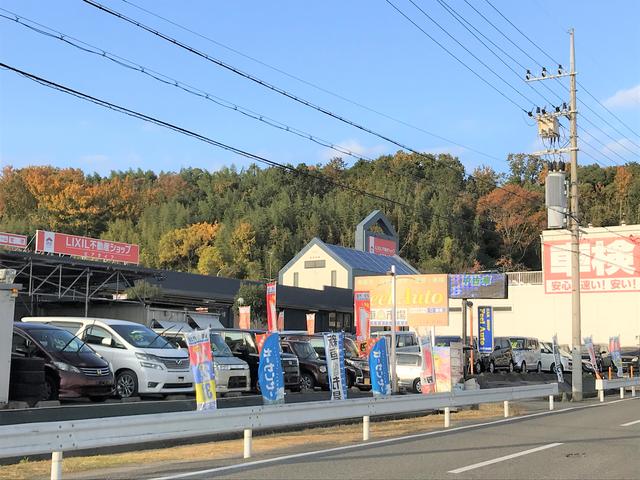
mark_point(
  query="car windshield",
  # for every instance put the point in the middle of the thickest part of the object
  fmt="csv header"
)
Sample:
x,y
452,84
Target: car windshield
x,y
517,343
446,341
59,341
218,346
304,350
350,348
141,336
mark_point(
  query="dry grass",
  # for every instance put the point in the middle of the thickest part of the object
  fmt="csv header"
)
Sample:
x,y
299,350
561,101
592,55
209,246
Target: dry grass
x,y
273,444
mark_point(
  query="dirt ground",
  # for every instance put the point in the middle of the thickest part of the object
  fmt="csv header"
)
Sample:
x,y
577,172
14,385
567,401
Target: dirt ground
x,y
271,444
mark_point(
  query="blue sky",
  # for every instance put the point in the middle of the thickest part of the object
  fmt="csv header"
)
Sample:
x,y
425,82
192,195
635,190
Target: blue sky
x,y
362,50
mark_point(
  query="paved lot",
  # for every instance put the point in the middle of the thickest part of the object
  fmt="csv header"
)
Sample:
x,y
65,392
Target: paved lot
x,y
585,441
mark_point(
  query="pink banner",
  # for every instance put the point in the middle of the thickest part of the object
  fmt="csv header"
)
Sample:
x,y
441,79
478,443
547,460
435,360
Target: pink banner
x,y
245,318
311,323
77,246
13,240
281,321
272,315
362,311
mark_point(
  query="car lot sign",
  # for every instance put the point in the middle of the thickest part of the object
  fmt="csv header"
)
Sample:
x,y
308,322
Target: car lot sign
x,y
485,329
334,348
86,247
12,240
478,285
379,368
201,361
607,264
270,374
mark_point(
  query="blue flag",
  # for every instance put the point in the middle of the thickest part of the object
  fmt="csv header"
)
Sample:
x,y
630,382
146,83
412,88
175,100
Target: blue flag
x,y
379,369
334,349
270,375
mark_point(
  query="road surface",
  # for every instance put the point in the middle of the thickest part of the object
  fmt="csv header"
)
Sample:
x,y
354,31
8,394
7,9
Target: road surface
x,y
583,441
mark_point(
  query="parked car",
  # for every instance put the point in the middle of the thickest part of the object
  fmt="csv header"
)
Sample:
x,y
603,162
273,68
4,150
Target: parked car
x,y
232,374
630,358
143,361
502,356
408,370
72,368
313,369
356,367
243,344
548,359
526,353
405,341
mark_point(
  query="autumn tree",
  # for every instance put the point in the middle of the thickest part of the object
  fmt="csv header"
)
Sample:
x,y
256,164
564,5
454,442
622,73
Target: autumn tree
x,y
181,248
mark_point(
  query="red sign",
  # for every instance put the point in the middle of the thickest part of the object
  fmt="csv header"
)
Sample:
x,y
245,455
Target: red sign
x,y
607,264
245,317
77,246
311,323
12,240
272,315
382,246
362,311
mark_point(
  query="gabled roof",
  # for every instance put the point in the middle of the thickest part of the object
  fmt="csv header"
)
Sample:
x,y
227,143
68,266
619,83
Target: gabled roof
x,y
362,262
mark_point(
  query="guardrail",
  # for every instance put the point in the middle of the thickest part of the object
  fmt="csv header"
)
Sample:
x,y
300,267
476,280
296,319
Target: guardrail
x,y
58,437
621,383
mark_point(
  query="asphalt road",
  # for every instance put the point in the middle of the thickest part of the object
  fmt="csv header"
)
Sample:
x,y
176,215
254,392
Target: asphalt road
x,y
583,441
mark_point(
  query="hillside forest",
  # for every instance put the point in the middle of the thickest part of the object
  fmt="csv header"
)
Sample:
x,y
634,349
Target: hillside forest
x,y
247,223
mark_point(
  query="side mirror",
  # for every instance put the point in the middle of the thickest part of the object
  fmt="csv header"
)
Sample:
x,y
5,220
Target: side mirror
x,y
107,342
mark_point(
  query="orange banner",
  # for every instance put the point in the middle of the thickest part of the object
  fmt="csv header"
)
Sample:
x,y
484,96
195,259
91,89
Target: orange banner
x,y
245,317
311,323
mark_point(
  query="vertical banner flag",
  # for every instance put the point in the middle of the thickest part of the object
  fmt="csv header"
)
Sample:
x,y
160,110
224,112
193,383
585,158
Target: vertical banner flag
x,y
362,310
614,352
260,338
442,367
334,348
485,329
557,359
245,317
270,374
379,369
311,323
427,375
588,342
272,314
201,361
281,320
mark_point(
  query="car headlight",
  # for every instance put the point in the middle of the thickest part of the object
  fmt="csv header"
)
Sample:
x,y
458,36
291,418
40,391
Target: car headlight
x,y
634,360
322,369
157,366
66,367
146,356
222,367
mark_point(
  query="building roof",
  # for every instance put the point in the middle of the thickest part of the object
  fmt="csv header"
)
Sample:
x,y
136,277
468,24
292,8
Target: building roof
x,y
365,262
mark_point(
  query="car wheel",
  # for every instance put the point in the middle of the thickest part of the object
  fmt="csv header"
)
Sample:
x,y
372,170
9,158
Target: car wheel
x,y
492,367
50,388
307,382
539,368
126,384
523,367
417,386
478,368
559,368
512,367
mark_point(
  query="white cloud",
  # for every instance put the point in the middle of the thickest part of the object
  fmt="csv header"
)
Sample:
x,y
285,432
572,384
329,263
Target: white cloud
x,y
355,147
629,98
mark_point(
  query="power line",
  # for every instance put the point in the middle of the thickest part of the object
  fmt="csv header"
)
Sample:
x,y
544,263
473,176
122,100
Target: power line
x,y
123,62
556,62
268,85
197,136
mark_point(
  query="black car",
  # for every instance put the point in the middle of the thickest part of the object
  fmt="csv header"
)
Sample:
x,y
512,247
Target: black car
x,y
313,369
502,356
243,344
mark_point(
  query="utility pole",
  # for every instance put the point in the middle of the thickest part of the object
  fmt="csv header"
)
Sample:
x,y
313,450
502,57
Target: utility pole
x,y
394,375
548,129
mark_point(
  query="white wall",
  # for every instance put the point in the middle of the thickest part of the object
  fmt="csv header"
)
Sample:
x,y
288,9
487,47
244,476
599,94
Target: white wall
x,y
316,278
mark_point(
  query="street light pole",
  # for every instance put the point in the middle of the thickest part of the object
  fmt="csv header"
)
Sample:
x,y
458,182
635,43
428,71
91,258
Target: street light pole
x,y
394,376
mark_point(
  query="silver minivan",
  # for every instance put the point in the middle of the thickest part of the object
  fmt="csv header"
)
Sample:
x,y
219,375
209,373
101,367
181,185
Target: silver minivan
x,y
526,354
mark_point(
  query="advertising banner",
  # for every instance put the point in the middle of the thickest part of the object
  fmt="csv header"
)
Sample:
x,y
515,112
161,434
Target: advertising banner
x,y
334,348
382,246
311,323
557,359
201,361
270,374
588,342
607,264
272,314
379,369
427,375
362,311
421,300
485,329
478,285
245,317
442,367
13,240
614,351
281,320
77,246
260,338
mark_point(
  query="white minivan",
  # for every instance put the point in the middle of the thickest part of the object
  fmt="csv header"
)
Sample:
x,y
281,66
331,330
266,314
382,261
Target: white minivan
x,y
143,361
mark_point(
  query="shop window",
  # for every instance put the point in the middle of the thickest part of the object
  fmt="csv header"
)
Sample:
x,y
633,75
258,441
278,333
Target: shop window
x,y
296,279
